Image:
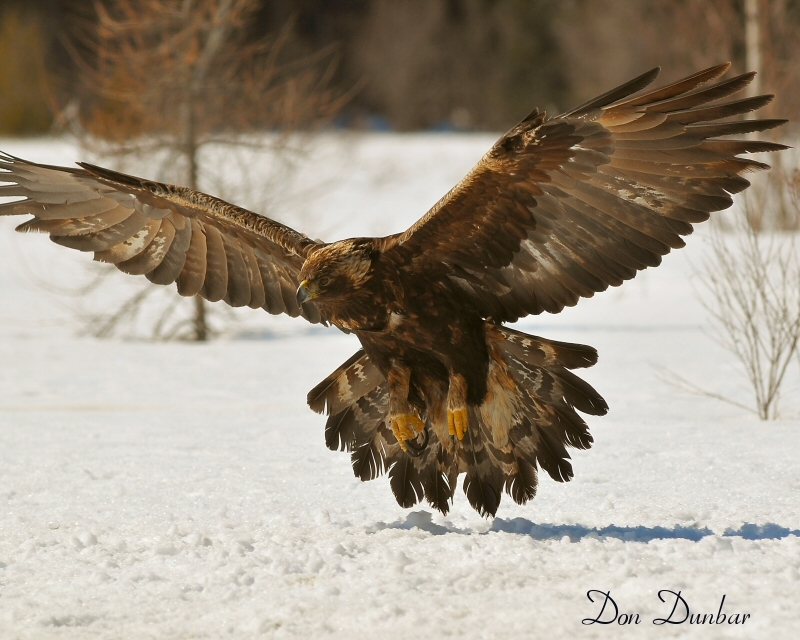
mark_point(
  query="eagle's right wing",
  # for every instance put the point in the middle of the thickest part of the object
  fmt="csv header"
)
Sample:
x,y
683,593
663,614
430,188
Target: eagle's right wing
x,y
166,233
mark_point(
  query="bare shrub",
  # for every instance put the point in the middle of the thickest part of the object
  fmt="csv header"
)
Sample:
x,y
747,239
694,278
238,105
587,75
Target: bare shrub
x,y
751,287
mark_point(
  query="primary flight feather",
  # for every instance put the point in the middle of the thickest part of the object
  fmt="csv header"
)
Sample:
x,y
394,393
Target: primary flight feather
x,y
558,209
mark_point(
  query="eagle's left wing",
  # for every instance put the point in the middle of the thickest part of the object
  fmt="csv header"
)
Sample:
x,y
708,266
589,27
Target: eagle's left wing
x,y
167,233
560,209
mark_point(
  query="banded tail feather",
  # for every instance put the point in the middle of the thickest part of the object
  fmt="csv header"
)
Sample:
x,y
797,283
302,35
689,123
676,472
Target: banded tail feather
x,y
528,420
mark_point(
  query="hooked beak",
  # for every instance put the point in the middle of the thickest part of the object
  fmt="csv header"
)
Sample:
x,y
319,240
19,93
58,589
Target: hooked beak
x,y
303,294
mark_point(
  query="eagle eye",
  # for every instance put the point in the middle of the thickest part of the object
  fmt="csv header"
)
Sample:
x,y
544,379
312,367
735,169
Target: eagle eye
x,y
324,282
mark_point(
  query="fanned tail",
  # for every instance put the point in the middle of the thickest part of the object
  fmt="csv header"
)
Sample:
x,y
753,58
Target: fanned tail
x,y
527,421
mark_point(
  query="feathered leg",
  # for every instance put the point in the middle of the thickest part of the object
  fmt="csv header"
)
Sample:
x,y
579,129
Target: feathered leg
x,y
405,424
457,416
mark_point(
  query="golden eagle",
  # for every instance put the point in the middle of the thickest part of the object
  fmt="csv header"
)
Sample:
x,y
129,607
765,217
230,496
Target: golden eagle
x,y
558,209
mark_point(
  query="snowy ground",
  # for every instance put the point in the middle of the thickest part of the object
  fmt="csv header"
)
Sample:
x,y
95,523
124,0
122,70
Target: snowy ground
x,y
166,490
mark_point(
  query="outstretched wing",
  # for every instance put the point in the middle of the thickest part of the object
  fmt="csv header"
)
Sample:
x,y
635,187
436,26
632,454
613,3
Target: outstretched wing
x,y
560,209
166,233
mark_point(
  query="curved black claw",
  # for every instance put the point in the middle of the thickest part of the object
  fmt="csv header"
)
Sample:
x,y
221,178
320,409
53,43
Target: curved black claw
x,y
415,448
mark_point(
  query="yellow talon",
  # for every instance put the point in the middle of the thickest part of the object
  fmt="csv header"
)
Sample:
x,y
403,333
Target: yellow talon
x,y
406,426
457,422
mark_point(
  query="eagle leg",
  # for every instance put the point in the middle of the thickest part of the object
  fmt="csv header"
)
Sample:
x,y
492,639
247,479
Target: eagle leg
x,y
457,420
405,424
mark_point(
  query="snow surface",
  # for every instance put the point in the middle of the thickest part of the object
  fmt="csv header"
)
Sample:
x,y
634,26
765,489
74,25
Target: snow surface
x,y
172,490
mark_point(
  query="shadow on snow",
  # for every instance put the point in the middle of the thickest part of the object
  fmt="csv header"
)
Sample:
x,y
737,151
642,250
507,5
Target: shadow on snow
x,y
521,526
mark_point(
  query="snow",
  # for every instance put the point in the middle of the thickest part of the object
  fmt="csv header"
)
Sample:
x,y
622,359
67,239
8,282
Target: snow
x,y
173,490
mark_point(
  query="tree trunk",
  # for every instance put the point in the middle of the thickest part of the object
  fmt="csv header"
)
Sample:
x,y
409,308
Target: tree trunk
x,y
191,142
190,152
752,38
200,329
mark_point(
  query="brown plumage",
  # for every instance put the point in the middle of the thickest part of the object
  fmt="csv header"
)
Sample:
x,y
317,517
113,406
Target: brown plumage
x,y
558,209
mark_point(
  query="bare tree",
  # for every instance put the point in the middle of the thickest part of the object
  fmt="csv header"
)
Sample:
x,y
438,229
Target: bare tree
x,y
753,47
174,88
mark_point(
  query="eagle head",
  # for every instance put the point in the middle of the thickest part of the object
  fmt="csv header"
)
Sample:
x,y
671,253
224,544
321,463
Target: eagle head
x,y
336,270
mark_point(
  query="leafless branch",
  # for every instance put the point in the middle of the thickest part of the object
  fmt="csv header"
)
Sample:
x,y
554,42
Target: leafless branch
x,y
680,383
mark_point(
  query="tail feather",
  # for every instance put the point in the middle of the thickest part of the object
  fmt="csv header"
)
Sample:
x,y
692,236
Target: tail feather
x,y
437,483
427,474
367,461
558,383
481,493
351,381
406,483
552,456
521,485
339,430
580,394
356,425
483,482
542,352
572,428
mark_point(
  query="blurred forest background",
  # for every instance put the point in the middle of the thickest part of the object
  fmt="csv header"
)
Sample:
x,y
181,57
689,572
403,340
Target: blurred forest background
x,y
425,64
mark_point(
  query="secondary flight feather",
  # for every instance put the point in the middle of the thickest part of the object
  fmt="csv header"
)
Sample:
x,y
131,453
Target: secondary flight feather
x,y
558,209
